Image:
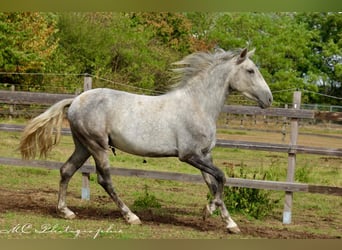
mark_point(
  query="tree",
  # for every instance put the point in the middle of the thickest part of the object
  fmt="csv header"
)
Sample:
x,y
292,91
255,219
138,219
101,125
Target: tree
x,y
85,40
27,41
114,46
326,48
171,29
201,24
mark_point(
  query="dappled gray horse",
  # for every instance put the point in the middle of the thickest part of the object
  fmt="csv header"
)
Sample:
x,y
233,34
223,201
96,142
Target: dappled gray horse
x,y
180,123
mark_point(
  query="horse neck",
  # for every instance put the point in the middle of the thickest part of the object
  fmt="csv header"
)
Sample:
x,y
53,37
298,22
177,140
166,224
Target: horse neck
x,y
210,90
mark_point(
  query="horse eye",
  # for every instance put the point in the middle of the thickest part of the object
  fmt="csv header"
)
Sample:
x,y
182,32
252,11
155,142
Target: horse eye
x,y
250,71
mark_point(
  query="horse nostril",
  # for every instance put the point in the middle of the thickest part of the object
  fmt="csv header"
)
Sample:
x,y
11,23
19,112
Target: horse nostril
x,y
270,99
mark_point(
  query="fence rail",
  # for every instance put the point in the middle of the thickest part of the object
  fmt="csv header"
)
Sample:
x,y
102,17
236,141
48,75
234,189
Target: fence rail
x,y
273,147
160,175
289,113
23,97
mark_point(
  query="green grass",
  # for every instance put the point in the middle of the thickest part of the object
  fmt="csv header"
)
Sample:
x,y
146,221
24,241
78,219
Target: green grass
x,y
231,132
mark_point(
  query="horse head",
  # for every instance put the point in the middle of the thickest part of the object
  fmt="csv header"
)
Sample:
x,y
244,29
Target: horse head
x,y
248,80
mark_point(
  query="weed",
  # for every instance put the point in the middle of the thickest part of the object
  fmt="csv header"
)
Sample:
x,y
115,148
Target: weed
x,y
146,201
302,174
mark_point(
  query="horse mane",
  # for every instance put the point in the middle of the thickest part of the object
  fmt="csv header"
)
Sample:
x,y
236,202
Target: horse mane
x,y
198,62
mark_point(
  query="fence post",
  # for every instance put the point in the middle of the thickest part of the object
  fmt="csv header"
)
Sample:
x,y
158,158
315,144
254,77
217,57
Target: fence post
x,y
283,129
291,160
86,176
11,107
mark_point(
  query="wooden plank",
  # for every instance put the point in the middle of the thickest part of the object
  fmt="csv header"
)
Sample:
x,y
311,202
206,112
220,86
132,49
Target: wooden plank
x,y
319,150
325,190
269,185
273,147
30,163
23,97
11,127
20,128
252,110
253,145
331,116
157,175
22,113
232,182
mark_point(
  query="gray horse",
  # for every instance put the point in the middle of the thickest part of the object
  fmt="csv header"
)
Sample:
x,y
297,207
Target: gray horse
x,y
180,123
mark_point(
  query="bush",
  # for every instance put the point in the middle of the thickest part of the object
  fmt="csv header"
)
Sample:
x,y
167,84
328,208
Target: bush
x,y
252,202
146,201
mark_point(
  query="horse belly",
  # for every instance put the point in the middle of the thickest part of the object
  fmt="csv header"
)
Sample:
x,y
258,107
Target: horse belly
x,y
144,148
145,141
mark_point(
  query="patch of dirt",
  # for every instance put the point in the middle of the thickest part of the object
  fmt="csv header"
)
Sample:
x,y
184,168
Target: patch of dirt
x,y
28,200
44,202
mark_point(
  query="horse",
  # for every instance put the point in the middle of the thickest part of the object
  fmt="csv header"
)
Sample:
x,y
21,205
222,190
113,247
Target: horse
x,y
180,123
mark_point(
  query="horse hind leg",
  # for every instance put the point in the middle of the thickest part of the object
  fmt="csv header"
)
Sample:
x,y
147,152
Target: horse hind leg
x,y
76,160
104,179
215,180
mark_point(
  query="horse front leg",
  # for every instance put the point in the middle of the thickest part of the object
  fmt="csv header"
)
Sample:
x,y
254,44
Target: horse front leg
x,y
215,180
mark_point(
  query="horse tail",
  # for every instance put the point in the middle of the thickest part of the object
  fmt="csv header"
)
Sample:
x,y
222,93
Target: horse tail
x,y
44,131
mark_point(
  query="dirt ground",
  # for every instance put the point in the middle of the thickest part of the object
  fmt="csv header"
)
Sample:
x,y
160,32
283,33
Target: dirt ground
x,y
39,201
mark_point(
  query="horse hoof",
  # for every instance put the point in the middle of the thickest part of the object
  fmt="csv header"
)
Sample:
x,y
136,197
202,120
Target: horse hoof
x,y
206,212
70,216
66,214
133,219
233,230
135,222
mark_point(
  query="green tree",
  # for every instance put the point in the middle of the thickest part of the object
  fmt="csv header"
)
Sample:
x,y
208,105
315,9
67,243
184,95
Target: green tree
x,y
326,51
201,24
169,28
26,43
85,40
114,46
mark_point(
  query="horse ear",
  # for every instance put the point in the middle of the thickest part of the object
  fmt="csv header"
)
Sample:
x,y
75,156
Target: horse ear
x,y
251,53
243,56
218,50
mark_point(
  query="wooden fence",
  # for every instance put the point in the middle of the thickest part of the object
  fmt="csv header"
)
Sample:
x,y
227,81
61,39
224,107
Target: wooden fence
x,y
294,114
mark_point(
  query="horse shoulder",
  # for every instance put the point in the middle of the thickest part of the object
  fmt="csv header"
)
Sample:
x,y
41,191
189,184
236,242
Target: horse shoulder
x,y
198,133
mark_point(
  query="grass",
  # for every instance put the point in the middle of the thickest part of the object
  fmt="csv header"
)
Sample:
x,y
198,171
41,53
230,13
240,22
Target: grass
x,y
28,197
